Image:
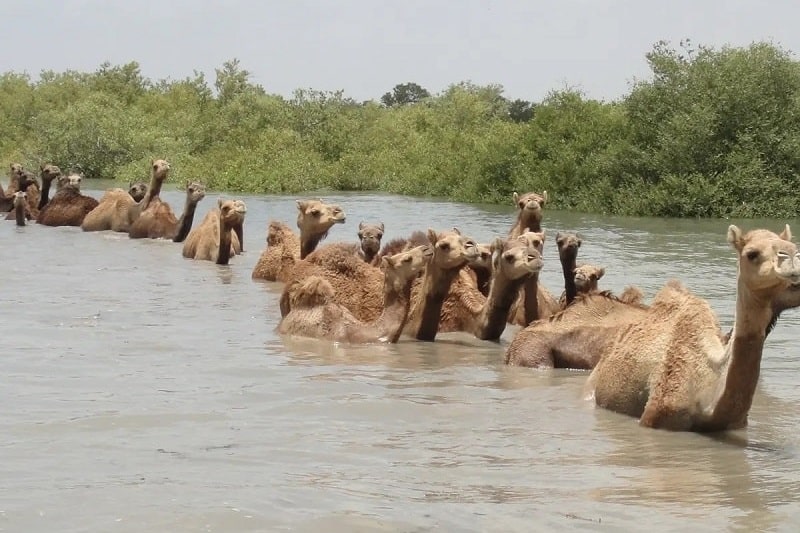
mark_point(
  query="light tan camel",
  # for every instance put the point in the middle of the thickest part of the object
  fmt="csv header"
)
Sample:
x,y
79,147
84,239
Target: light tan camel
x,y
529,218
587,277
68,207
481,268
117,209
534,300
575,337
48,173
314,313
674,370
284,247
369,236
452,251
216,238
20,207
158,221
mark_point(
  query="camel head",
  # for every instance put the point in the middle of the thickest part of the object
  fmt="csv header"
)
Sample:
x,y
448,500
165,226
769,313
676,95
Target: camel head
x,y
769,263
587,276
232,211
20,197
483,261
568,244
195,191
531,202
518,257
72,180
15,170
405,266
370,236
159,169
316,217
49,172
533,238
137,191
451,249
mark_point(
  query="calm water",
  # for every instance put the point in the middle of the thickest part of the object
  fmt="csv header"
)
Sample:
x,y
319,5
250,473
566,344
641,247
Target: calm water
x,y
145,392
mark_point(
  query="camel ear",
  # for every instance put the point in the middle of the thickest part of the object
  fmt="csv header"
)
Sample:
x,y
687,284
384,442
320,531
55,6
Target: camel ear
x,y
41,167
544,197
542,232
381,226
735,237
301,205
387,261
432,237
220,202
786,234
456,230
361,226
515,197
497,245
600,272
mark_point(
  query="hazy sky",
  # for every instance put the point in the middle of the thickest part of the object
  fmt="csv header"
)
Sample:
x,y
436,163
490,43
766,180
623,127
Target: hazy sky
x,y
367,47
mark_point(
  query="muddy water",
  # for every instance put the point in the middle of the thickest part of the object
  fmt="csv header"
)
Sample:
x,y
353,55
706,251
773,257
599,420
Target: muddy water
x,y
145,392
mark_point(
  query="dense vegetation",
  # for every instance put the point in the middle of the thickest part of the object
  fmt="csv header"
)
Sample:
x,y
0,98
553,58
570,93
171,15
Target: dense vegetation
x,y
712,132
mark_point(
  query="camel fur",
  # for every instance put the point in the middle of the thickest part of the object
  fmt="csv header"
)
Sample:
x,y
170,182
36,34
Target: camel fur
x,y
314,219
68,207
117,208
369,236
20,207
314,313
674,370
216,238
158,221
529,218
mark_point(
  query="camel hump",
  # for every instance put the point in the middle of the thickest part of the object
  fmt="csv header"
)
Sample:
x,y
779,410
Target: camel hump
x,y
310,292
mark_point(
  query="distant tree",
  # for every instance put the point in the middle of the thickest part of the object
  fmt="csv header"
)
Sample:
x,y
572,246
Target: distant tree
x,y
520,111
405,93
232,81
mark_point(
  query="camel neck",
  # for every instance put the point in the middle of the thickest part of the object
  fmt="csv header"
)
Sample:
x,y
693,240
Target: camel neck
x,y
396,307
45,193
19,213
744,348
185,222
224,252
568,263
494,316
529,222
239,230
531,298
435,286
308,243
483,276
153,190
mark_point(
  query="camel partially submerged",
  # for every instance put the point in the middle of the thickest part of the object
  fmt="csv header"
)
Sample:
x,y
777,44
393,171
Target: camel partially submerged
x,y
314,219
534,300
68,207
577,336
674,370
529,218
25,181
158,221
217,237
48,173
369,237
117,209
452,251
568,245
587,278
20,207
314,313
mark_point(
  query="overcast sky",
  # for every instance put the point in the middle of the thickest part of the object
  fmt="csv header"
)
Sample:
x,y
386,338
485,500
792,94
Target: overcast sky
x,y
366,47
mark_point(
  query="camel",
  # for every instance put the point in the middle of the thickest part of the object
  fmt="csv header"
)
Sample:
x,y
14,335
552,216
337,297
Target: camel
x,y
529,217
117,209
586,278
137,191
216,238
20,207
369,235
674,370
284,248
48,173
534,300
20,183
157,221
568,245
481,268
68,207
452,251
575,337
315,314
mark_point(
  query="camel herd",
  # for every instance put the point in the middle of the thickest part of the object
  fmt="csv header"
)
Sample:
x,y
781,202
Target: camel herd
x,y
666,362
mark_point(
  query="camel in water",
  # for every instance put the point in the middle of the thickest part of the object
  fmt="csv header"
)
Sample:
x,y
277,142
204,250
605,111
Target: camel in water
x,y
674,370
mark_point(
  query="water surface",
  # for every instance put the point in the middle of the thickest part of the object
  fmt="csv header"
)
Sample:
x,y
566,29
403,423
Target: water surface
x,y
146,392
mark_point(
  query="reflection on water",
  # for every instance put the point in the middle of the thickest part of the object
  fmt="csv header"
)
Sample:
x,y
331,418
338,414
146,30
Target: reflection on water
x,y
144,391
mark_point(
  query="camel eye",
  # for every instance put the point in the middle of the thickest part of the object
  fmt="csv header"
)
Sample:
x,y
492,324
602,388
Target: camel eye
x,y
752,255
407,259
444,246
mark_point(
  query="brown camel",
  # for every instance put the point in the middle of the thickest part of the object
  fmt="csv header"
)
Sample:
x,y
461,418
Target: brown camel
x,y
529,217
481,268
587,278
576,336
158,221
674,370
21,181
20,207
137,191
216,238
284,247
48,173
534,300
68,207
117,209
314,313
369,235
568,245
452,251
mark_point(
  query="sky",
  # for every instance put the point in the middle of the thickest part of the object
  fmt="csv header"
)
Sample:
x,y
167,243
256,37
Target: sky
x,y
366,47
